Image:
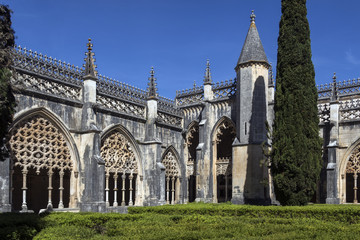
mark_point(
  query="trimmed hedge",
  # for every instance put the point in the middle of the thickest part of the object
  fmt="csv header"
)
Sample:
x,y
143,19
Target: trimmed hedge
x,y
342,213
190,221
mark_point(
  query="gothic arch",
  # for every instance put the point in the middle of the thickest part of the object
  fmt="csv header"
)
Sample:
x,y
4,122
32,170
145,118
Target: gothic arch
x,y
191,143
41,147
349,171
222,158
123,167
170,159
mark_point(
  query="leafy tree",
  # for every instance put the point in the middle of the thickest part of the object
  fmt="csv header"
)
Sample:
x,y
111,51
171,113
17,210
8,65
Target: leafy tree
x,y
7,100
296,145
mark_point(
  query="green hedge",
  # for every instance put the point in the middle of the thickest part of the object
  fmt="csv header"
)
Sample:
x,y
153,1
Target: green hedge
x,y
342,213
190,221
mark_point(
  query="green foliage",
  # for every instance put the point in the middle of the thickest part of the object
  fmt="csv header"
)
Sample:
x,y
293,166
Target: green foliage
x,y
7,100
190,221
296,146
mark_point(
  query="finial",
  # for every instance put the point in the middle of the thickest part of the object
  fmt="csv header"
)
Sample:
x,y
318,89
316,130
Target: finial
x,y
252,16
152,90
334,92
207,78
89,45
152,72
194,84
90,66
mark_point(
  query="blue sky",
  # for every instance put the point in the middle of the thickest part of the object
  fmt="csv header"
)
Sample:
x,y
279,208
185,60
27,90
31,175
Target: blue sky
x,y
176,37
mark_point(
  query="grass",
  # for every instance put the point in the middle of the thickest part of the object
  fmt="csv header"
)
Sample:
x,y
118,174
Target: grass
x,y
191,221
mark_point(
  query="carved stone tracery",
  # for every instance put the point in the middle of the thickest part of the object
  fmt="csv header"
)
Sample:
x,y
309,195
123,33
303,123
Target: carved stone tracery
x,y
118,154
38,144
171,165
224,162
353,166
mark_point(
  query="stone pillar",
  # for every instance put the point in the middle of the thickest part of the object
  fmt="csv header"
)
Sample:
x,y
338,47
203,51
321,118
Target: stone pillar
x,y
205,177
93,174
332,166
5,185
154,170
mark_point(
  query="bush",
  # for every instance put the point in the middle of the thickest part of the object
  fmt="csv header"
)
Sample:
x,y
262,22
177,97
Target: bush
x,y
190,221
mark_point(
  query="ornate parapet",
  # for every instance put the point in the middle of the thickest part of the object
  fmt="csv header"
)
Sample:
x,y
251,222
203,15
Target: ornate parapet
x,y
224,89
38,64
120,90
189,96
344,88
221,91
350,110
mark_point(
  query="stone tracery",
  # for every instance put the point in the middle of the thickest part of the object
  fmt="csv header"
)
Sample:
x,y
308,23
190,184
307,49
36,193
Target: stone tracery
x,y
172,173
120,159
353,167
37,144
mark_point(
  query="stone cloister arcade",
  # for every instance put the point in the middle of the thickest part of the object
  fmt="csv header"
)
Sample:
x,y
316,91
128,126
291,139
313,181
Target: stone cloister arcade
x,y
224,135
43,169
81,141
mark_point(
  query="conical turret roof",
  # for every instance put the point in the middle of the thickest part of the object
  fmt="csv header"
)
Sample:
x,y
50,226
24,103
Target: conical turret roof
x,y
253,50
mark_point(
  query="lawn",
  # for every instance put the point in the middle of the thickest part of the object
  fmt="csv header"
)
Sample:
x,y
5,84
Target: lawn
x,y
191,221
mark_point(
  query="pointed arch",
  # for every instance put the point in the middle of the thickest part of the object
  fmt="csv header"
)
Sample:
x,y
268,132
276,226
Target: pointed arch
x,y
41,146
175,159
170,159
349,174
191,143
123,167
222,137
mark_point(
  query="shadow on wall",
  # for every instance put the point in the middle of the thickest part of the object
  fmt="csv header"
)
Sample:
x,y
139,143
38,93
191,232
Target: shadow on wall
x,y
256,189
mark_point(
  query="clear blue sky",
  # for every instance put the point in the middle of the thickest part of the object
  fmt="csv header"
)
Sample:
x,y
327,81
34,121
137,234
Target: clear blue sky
x,y
176,37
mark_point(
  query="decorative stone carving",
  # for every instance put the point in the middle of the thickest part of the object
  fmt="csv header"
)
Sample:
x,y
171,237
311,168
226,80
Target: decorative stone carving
x,y
118,154
324,112
224,89
223,166
120,106
169,119
38,144
39,84
46,66
171,165
224,125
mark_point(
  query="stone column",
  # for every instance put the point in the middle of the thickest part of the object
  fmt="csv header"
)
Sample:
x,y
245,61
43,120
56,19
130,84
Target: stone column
x,y
332,166
93,174
204,163
5,183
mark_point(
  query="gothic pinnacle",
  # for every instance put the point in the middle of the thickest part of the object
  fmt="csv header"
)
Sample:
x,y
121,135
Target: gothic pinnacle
x,y
90,66
152,90
334,93
207,78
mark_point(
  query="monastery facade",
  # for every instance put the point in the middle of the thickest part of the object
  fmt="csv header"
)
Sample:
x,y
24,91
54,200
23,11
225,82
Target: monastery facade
x,y
83,142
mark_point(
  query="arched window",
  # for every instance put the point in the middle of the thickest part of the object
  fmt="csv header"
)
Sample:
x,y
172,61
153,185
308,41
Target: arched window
x,y
192,141
40,154
352,180
225,135
172,174
121,169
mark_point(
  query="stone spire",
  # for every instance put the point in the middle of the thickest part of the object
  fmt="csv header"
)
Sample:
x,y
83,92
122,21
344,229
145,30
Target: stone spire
x,y
152,90
207,77
90,72
334,93
253,50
